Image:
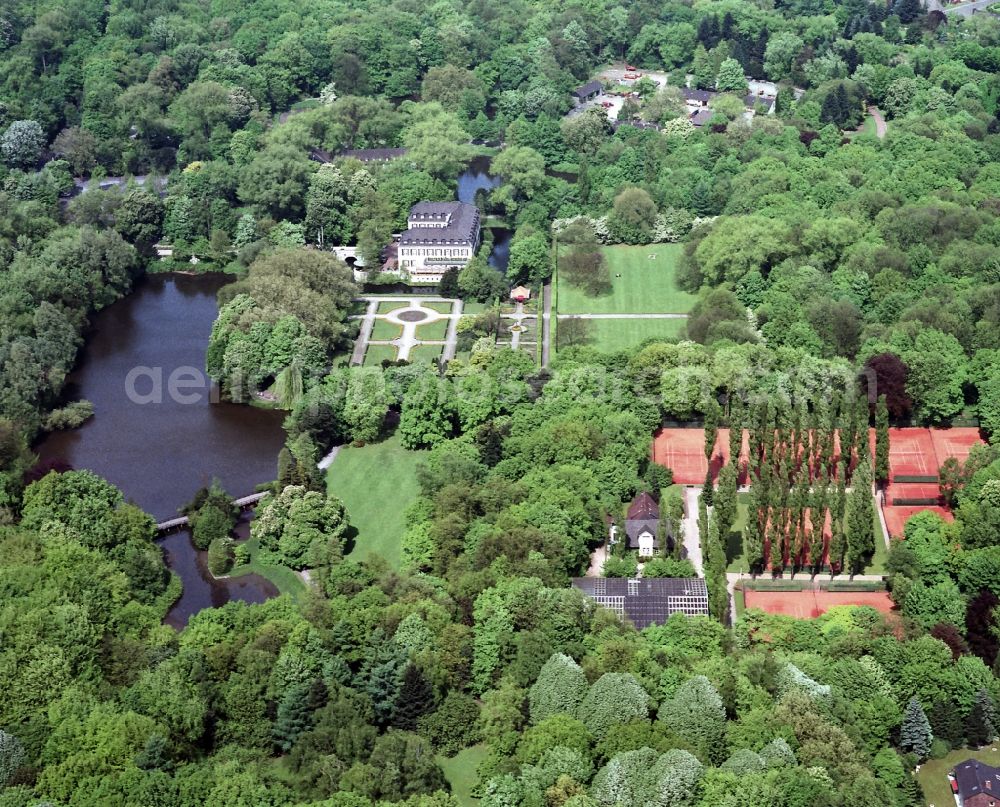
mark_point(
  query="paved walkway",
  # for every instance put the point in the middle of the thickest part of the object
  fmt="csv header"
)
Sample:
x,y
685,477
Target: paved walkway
x,y
546,322
451,338
408,340
622,316
597,560
368,322
692,536
518,316
880,127
327,461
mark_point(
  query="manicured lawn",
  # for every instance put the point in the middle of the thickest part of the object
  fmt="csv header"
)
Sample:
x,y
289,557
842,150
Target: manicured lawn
x,y
734,542
442,308
385,331
881,553
933,774
433,331
610,335
376,353
460,771
421,354
287,581
386,306
646,285
473,307
377,483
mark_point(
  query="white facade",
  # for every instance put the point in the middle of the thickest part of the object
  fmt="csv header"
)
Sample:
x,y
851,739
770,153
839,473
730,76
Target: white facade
x,y
439,236
646,541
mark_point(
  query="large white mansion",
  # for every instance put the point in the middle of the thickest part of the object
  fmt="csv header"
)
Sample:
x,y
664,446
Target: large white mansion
x,y
439,236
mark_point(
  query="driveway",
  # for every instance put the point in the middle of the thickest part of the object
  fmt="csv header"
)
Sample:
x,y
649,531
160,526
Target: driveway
x,y
876,113
692,536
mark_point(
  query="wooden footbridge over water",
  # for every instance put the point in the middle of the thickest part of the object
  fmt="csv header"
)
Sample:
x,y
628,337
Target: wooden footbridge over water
x,y
182,521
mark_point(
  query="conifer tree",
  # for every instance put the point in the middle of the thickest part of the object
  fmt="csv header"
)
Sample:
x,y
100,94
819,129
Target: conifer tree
x,y
294,717
843,106
881,441
725,500
915,734
946,722
838,542
775,552
11,757
414,699
736,413
980,725
753,542
712,413
859,526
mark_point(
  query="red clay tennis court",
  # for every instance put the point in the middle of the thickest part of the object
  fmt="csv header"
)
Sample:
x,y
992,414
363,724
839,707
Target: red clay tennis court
x,y
811,602
683,452
955,442
912,493
896,517
911,455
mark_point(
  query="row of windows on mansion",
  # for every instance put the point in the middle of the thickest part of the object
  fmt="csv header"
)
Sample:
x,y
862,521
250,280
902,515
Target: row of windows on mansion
x,y
439,236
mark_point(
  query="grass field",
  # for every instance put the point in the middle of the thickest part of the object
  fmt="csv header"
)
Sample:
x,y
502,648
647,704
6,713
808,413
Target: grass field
x,y
646,285
441,308
376,353
385,331
460,771
421,354
286,580
877,565
433,331
473,307
933,774
365,479
621,334
734,543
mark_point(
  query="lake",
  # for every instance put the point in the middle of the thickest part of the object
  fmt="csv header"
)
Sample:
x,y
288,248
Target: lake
x,y
156,433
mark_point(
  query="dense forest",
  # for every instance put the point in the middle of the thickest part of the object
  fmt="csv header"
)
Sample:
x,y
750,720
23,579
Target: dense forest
x,y
816,252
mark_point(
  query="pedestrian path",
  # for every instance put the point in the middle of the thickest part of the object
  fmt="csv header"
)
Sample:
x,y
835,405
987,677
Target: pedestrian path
x,y
410,315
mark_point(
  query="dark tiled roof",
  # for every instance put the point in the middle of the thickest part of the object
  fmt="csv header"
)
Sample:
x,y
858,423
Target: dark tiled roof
x,y
701,116
753,100
643,514
647,601
974,778
701,96
462,227
590,88
643,506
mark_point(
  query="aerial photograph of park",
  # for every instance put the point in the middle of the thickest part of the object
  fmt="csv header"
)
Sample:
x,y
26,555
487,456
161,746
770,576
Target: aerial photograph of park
x,y
500,403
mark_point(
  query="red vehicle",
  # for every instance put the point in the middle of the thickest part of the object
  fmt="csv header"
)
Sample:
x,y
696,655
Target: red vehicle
x,y
606,104
631,68
631,76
